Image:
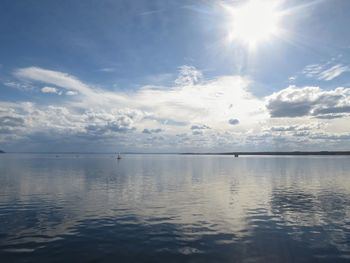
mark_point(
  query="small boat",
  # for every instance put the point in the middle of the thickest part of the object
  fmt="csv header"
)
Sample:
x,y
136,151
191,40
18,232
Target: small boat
x,y
119,157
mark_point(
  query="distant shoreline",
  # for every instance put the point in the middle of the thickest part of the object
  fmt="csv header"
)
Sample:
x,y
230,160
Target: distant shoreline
x,y
298,153
264,153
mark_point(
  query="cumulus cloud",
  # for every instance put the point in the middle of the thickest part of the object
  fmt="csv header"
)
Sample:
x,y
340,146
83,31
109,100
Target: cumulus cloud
x,y
233,121
199,129
188,75
11,121
121,124
31,125
308,101
49,90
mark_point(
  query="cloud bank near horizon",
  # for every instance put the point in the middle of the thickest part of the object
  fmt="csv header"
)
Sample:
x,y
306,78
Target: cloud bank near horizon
x,y
193,113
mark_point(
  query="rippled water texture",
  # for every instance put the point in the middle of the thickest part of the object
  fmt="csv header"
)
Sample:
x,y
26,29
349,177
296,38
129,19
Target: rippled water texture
x,y
168,208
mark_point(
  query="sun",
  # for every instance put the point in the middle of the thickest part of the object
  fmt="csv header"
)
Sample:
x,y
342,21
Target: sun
x,y
254,22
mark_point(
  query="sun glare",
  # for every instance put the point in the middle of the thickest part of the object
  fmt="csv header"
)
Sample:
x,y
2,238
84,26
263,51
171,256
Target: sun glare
x,y
254,22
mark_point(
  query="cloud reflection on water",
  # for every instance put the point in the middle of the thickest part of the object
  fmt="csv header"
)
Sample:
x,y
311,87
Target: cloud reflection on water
x,y
221,208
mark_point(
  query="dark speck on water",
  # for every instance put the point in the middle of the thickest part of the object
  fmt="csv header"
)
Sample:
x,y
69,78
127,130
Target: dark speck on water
x,y
174,208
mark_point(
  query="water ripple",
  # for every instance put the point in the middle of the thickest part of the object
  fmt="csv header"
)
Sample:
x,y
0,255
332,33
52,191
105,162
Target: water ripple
x,y
174,209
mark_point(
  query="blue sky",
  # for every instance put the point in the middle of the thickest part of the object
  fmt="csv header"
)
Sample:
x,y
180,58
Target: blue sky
x,y
165,76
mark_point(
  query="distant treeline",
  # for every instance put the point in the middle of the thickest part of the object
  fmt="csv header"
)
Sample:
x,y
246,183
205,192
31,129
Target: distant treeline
x,y
2,151
277,153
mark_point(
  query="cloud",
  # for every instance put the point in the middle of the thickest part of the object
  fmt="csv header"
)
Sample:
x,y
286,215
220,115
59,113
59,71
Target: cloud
x,y
102,122
329,136
71,93
150,131
108,70
188,75
308,101
330,116
325,72
19,85
313,70
291,128
49,90
101,119
200,127
191,100
233,121
120,125
197,132
333,72
330,110
10,122
56,78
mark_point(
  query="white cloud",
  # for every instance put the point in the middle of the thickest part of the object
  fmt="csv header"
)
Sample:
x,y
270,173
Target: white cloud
x,y
291,128
334,72
210,102
325,72
308,101
107,70
188,75
71,93
49,90
56,78
292,79
19,85
199,111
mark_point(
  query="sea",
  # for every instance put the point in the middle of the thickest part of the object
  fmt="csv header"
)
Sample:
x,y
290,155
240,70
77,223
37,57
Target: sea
x,y
174,208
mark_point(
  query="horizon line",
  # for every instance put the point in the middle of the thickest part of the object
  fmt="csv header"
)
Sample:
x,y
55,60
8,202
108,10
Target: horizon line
x,y
198,153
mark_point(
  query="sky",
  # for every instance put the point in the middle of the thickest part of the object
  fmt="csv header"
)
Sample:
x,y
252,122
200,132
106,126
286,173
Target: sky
x,y
174,76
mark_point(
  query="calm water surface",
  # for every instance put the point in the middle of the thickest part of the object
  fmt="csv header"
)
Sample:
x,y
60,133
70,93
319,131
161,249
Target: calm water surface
x,y
168,208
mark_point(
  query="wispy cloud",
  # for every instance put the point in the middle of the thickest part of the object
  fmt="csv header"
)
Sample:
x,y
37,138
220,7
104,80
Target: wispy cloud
x,y
333,72
109,70
56,78
325,72
19,85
